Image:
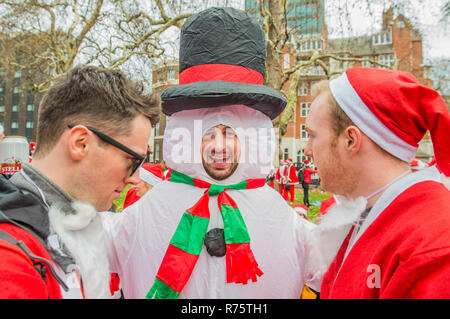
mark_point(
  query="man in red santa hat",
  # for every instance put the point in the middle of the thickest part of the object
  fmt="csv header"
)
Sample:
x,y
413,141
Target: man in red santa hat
x,y
292,180
388,234
149,175
280,177
417,164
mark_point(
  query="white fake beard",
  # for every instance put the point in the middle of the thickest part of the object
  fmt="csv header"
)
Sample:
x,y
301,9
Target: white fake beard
x,y
335,226
82,234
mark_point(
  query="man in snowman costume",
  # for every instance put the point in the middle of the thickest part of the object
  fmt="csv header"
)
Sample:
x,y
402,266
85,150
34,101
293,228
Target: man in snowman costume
x,y
213,229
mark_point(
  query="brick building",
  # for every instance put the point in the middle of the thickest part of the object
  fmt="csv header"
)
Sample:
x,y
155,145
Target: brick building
x,y
18,105
397,44
165,75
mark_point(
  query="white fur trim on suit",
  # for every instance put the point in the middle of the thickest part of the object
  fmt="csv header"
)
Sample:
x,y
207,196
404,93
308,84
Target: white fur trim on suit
x,y
355,108
335,226
82,234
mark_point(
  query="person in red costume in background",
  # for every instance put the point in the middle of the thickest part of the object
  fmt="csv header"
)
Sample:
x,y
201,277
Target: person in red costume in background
x,y
292,180
307,171
149,175
280,177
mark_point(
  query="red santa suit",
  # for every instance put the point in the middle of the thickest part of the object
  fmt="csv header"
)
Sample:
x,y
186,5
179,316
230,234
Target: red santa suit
x,y
292,180
280,177
402,249
21,280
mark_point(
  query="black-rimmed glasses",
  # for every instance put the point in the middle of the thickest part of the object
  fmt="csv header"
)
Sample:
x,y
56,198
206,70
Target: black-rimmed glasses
x,y
138,159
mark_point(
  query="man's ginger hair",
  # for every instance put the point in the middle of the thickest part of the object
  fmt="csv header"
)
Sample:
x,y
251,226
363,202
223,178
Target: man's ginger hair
x,y
339,120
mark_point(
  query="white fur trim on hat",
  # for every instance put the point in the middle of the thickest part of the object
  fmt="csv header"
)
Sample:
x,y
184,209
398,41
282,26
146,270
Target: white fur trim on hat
x,y
148,177
360,114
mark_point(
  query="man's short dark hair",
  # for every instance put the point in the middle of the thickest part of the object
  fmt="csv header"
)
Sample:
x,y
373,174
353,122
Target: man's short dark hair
x,y
103,98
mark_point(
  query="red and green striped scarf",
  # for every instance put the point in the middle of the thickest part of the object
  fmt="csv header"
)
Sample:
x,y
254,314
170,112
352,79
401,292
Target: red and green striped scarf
x,y
187,242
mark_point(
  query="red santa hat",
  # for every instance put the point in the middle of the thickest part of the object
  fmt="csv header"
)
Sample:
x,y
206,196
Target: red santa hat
x,y
395,110
301,209
151,173
32,147
417,164
290,161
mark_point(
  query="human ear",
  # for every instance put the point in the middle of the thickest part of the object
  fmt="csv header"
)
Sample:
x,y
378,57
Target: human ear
x,y
353,138
78,142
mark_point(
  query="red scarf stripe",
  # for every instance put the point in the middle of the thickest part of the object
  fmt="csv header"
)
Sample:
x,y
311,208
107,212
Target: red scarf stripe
x,y
225,199
200,208
200,184
176,277
240,270
255,182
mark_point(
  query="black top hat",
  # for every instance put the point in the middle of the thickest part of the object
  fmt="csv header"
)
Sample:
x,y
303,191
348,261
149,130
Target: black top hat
x,y
222,56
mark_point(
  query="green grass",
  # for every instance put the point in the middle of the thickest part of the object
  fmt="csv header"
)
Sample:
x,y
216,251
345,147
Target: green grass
x,y
313,211
119,202
314,195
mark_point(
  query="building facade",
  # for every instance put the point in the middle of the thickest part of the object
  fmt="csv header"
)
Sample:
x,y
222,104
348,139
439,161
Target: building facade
x,y
18,105
165,75
398,44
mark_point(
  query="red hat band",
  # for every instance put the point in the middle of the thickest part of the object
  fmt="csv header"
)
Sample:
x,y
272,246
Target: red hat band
x,y
223,72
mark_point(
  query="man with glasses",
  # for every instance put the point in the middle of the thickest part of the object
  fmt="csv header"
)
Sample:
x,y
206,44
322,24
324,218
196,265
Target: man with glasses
x,y
92,135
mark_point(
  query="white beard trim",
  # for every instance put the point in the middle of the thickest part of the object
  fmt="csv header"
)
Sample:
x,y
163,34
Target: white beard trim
x,y
335,225
82,234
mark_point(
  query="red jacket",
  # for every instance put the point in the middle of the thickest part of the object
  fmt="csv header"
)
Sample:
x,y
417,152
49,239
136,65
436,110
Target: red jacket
x,y
292,176
18,278
307,173
404,253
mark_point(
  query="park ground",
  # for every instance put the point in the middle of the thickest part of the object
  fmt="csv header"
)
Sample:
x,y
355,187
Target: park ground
x,y
315,196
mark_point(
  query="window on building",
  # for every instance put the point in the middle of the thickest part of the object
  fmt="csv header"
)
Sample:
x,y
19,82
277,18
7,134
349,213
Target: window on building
x,y
30,107
286,61
157,129
387,59
366,64
382,38
400,24
310,45
17,74
304,108
303,89
14,125
29,124
2,108
16,89
299,156
156,157
286,154
171,75
303,132
302,156
15,108
2,89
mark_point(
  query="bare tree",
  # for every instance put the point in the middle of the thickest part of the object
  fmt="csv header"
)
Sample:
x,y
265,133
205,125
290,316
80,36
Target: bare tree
x,y
46,38
273,15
